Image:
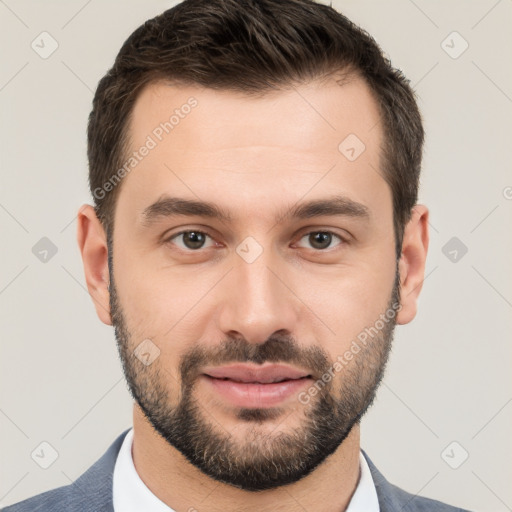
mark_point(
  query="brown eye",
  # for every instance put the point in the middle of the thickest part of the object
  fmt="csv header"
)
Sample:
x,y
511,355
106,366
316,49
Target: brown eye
x,y
190,240
321,240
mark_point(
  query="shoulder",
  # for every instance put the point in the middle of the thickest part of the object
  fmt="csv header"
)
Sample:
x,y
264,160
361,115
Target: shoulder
x,y
56,500
92,491
392,498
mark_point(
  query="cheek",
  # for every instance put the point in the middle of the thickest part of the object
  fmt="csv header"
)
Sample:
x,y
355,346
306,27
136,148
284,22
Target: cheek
x,y
166,305
349,301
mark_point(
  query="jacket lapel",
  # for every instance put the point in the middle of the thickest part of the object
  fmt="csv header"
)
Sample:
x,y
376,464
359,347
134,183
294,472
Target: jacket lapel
x,y
93,490
391,498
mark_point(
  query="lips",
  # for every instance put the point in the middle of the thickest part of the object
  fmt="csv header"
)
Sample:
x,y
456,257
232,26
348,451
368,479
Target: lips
x,y
249,386
256,374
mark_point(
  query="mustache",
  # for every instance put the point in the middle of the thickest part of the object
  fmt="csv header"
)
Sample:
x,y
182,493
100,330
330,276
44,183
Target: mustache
x,y
277,349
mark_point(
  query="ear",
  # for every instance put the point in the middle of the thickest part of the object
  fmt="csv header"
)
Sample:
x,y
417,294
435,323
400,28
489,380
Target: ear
x,y
92,241
412,262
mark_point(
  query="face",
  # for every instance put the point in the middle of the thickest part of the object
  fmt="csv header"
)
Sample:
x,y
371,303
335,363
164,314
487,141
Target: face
x,y
276,279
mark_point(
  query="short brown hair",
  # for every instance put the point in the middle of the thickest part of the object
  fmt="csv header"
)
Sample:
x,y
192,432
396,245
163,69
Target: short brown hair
x,y
253,46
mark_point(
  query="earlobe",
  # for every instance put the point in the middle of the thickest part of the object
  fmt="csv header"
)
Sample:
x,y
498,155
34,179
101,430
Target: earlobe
x,y
92,242
412,262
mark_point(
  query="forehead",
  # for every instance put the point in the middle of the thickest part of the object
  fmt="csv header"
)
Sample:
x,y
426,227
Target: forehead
x,y
255,150
301,115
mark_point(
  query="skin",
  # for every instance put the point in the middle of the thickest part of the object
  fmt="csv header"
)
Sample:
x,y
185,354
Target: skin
x,y
256,157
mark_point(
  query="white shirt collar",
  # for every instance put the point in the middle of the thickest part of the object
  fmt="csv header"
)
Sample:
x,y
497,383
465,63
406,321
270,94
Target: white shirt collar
x,y
130,493
365,497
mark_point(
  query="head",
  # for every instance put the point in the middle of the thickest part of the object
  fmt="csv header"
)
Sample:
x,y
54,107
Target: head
x,y
255,170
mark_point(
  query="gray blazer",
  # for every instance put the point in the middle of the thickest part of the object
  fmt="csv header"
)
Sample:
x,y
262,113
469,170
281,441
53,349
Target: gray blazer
x,y
92,492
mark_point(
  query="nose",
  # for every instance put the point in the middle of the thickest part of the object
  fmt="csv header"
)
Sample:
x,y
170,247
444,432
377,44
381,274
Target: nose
x,y
258,299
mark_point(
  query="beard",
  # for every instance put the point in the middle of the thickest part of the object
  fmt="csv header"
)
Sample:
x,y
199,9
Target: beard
x,y
258,460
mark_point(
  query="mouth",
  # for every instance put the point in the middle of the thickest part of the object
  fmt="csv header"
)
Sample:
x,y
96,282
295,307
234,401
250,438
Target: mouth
x,y
256,386
284,379
266,374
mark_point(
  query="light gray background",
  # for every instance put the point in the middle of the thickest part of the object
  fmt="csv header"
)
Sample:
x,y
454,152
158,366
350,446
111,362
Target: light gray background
x,y
449,375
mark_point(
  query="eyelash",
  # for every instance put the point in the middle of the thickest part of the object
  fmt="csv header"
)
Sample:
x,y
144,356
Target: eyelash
x,y
176,235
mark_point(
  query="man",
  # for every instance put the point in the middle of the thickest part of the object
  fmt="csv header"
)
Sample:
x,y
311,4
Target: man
x,y
254,241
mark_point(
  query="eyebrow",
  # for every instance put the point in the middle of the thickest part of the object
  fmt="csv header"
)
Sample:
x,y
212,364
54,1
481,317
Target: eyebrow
x,y
168,206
